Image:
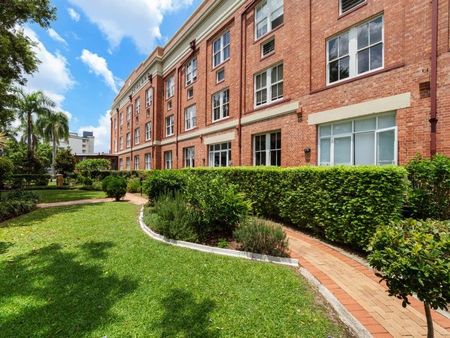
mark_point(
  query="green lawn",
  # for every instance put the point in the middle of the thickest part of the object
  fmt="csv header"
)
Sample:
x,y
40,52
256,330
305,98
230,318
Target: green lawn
x,y
89,271
50,196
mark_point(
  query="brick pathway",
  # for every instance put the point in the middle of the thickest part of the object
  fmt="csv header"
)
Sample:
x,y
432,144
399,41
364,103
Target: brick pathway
x,y
357,288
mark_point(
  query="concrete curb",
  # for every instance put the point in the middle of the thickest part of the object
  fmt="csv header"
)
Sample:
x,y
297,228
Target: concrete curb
x,y
218,251
352,323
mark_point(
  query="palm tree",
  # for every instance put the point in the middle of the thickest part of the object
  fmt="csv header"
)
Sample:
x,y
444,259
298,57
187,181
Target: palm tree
x,y
54,127
32,106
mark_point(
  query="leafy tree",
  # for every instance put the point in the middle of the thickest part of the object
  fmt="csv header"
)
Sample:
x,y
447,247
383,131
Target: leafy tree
x,y
65,162
6,169
18,58
54,127
88,167
44,154
413,257
37,105
22,162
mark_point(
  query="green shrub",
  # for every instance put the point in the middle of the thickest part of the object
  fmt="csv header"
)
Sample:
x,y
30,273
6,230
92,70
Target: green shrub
x,y
262,237
134,185
17,203
115,186
430,182
413,257
19,181
172,217
218,206
162,182
6,169
97,185
91,168
22,195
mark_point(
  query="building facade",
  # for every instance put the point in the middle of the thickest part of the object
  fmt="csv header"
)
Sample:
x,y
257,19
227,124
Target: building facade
x,y
289,83
83,144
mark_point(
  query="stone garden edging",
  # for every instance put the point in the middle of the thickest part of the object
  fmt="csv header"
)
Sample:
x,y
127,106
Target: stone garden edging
x,y
218,251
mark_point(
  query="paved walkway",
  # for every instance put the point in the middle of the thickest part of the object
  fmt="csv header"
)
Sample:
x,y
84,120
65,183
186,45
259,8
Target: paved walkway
x,y
79,202
358,289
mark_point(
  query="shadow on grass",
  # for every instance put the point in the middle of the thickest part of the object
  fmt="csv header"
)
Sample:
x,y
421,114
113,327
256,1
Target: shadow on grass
x,y
4,246
54,293
184,316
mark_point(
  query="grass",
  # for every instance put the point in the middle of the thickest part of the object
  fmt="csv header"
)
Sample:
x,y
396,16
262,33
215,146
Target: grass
x,y
50,196
89,271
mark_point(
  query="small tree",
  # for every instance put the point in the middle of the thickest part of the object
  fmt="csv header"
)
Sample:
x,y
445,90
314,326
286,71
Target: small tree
x,y
413,257
65,162
6,169
115,186
90,167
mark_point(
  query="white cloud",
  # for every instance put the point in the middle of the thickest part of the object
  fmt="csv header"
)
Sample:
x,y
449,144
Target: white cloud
x,y
138,20
101,133
73,14
55,36
99,67
53,76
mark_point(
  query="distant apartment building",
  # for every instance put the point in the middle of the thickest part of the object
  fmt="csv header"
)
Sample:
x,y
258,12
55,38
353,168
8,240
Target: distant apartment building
x,y
83,144
288,83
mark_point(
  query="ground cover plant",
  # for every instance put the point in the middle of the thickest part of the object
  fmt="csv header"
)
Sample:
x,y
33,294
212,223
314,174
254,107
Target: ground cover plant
x,y
17,203
94,265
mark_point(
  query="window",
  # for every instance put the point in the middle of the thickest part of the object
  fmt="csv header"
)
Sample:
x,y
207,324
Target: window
x,y
129,111
128,140
189,157
346,5
149,97
121,143
115,123
138,105
137,136
269,14
121,119
169,105
128,163
136,162
220,75
220,155
269,85
148,131
169,125
115,145
148,161
363,141
121,164
267,149
190,93
220,102
190,118
170,87
191,71
356,51
221,49
267,47
168,162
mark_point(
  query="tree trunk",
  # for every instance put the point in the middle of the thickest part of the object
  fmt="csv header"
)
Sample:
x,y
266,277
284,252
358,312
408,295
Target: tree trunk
x,y
430,333
54,156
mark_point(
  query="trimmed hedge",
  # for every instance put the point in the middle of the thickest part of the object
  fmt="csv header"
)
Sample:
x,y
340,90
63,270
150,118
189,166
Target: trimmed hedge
x,y
19,181
17,203
342,204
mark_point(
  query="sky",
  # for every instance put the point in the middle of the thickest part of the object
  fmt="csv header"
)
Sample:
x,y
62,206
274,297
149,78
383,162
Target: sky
x,y
91,49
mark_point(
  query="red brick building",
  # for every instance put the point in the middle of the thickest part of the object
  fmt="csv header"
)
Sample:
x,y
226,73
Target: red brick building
x,y
291,82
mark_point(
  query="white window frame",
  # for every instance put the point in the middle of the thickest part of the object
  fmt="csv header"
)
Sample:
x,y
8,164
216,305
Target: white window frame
x,y
128,140
128,163
268,87
222,47
121,164
191,71
137,103
190,117
148,131
350,9
222,70
115,123
270,7
168,159
129,113
190,93
115,146
222,105
212,152
353,51
136,162
170,87
149,97
121,119
268,150
170,123
121,142
137,136
352,134
148,161
189,157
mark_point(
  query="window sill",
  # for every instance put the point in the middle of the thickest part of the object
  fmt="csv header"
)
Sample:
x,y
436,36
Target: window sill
x,y
267,55
354,9
357,78
220,64
220,120
266,36
269,105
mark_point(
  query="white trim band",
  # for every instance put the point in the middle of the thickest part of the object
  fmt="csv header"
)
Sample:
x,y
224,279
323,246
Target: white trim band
x,y
220,138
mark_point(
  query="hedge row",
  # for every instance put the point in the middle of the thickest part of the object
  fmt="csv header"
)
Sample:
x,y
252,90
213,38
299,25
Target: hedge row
x,y
19,181
342,204
17,203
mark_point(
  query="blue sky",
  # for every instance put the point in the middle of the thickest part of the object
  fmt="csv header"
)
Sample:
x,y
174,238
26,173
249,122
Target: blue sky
x,y
91,49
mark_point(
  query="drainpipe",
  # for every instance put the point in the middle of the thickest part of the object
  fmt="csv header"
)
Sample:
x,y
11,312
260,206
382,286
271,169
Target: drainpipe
x,y
433,85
